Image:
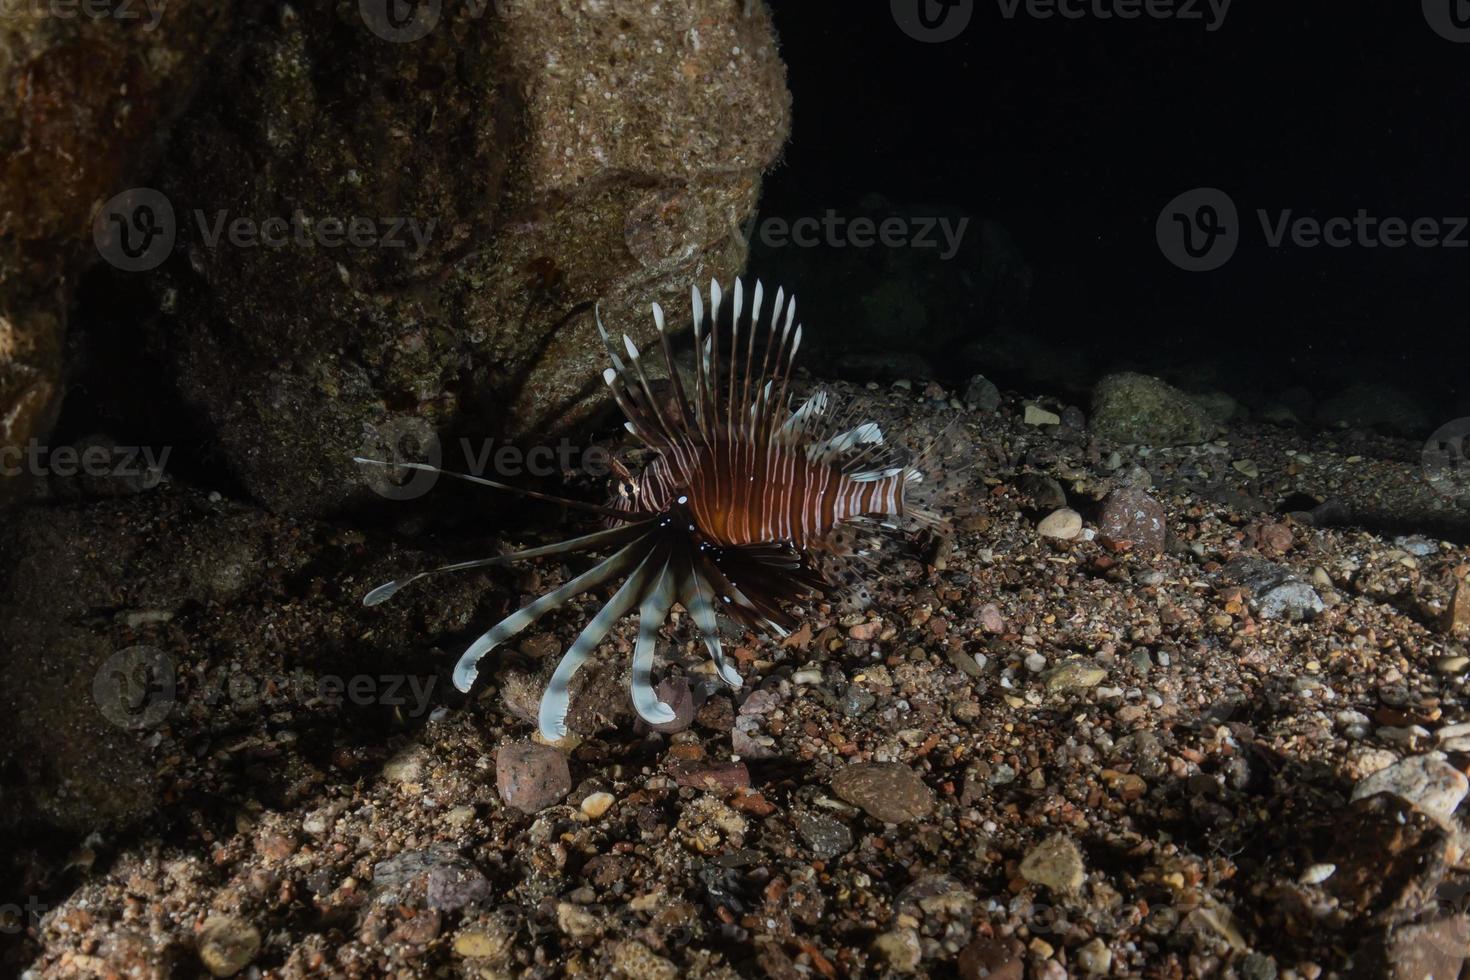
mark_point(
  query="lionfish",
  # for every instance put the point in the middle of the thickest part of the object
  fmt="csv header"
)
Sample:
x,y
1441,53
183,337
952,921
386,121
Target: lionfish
x,y
743,499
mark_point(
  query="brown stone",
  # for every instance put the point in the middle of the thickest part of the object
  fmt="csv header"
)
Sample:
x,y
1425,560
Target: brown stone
x,y
992,959
887,791
718,777
530,776
1130,515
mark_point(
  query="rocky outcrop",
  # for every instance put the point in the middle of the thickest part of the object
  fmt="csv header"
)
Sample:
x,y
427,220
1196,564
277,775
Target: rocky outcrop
x,y
383,225
89,92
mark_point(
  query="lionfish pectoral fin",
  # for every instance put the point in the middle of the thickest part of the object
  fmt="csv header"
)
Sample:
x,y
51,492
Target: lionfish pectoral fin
x,y
617,535
552,716
695,595
468,667
519,491
652,615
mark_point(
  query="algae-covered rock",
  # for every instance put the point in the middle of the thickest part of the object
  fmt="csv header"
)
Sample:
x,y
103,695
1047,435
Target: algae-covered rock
x,y
1375,405
375,233
1135,408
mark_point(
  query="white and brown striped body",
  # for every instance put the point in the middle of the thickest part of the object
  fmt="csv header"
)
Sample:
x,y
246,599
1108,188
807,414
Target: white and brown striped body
x,y
739,495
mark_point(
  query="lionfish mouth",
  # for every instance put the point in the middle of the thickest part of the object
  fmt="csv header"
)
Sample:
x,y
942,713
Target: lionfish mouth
x,y
743,498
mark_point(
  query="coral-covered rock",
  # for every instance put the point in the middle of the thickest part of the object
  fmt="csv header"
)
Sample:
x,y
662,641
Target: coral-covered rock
x,y
1135,408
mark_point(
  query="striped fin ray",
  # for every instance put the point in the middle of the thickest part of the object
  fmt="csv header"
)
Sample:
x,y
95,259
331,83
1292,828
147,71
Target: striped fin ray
x,y
618,535
753,610
694,594
519,491
552,717
734,397
631,392
636,357
732,415
826,451
651,616
805,417
789,356
468,667
680,395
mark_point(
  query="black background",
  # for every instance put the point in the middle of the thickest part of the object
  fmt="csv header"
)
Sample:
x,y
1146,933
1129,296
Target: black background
x,y
1076,133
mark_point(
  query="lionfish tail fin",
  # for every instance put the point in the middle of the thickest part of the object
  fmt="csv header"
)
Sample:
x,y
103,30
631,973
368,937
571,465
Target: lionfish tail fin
x,y
934,481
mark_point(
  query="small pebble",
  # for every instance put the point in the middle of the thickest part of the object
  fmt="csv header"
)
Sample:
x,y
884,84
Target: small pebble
x,y
596,804
888,791
1063,524
1317,873
1036,415
227,945
1055,863
530,776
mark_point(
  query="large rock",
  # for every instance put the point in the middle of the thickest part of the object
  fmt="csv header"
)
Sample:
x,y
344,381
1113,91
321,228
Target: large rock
x,y
1375,405
1135,408
87,98
517,163
909,285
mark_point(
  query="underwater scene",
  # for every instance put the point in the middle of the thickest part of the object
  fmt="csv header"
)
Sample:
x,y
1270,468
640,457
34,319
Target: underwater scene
x,y
794,489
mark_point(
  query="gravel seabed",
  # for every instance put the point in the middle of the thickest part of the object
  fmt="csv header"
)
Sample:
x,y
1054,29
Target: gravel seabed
x,y
1022,754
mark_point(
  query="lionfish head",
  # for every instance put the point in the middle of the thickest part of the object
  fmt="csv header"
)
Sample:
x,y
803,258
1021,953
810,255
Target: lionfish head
x,y
744,495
